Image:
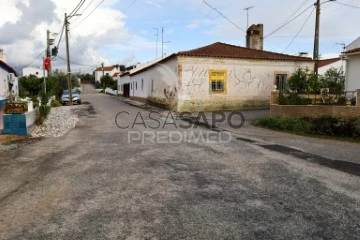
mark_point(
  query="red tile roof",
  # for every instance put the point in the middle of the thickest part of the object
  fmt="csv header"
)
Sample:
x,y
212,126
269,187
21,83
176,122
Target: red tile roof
x,y
106,69
116,74
355,50
8,67
222,50
325,62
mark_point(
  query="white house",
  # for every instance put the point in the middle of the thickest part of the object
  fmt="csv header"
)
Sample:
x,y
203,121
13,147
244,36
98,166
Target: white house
x,y
215,77
33,71
327,64
352,69
106,71
7,74
352,57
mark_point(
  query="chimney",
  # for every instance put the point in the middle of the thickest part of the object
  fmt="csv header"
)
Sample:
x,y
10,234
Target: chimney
x,y
2,55
255,37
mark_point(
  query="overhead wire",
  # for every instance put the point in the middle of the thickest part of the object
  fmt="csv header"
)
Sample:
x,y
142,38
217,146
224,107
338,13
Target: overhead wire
x,y
88,15
288,22
347,5
302,27
222,15
293,13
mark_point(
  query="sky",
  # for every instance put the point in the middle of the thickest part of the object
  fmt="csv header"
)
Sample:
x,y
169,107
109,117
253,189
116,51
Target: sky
x,y
130,31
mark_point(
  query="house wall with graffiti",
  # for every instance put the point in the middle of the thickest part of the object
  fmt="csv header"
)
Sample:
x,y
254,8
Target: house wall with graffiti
x,y
247,83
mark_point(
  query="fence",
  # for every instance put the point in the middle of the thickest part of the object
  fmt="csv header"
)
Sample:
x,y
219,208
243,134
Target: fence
x,y
317,105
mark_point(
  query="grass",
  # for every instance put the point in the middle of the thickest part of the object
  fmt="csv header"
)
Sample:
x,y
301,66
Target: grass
x,y
320,128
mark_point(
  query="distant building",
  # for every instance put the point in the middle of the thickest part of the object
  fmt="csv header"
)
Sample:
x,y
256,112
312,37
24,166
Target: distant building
x,y
106,71
33,71
327,64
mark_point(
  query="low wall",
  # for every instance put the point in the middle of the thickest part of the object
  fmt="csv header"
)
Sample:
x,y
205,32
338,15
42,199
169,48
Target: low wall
x,y
110,91
19,124
315,111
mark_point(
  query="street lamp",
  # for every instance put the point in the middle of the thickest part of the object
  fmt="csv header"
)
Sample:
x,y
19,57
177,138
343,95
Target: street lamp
x,y
317,33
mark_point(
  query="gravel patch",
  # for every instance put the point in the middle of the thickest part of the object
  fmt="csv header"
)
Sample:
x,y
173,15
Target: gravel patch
x,y
60,121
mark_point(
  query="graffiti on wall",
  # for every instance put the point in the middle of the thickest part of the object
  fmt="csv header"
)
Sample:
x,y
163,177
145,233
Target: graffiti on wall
x,y
197,80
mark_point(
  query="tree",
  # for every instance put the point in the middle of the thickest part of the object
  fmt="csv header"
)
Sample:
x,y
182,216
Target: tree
x,y
298,82
107,81
334,79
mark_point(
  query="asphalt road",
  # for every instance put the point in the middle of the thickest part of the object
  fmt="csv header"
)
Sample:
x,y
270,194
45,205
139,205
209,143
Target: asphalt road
x,y
103,182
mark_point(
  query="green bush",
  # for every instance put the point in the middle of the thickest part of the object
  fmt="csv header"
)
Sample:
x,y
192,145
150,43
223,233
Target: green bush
x,y
43,113
341,100
55,103
293,99
98,85
288,124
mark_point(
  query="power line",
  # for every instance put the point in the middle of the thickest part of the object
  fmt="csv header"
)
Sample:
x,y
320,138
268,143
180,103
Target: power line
x,y
88,14
87,6
130,5
292,14
77,8
287,23
221,14
78,44
302,27
347,5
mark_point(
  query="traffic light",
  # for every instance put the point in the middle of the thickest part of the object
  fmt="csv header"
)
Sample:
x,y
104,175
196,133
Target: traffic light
x,y
54,51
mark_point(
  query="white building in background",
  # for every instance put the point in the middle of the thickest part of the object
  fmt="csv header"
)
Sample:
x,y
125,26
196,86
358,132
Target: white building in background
x,y
106,71
327,64
33,71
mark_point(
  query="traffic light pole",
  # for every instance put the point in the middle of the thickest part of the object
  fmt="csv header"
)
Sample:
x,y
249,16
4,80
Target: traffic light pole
x,y
68,59
48,53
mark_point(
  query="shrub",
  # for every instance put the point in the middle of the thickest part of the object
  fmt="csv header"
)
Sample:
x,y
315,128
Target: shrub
x,y
341,100
293,99
98,85
353,101
330,125
55,103
43,113
288,124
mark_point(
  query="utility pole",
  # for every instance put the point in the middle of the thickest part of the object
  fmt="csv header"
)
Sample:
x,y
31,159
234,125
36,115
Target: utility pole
x,y
316,39
157,39
48,53
68,59
103,70
162,42
247,16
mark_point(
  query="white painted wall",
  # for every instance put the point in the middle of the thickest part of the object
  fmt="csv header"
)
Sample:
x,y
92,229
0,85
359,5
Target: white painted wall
x,y
4,85
154,81
246,79
353,73
33,71
337,65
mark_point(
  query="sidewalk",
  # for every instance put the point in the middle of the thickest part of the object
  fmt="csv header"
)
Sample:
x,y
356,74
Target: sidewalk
x,y
249,134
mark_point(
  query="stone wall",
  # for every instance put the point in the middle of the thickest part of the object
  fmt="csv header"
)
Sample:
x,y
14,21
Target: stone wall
x,y
314,111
